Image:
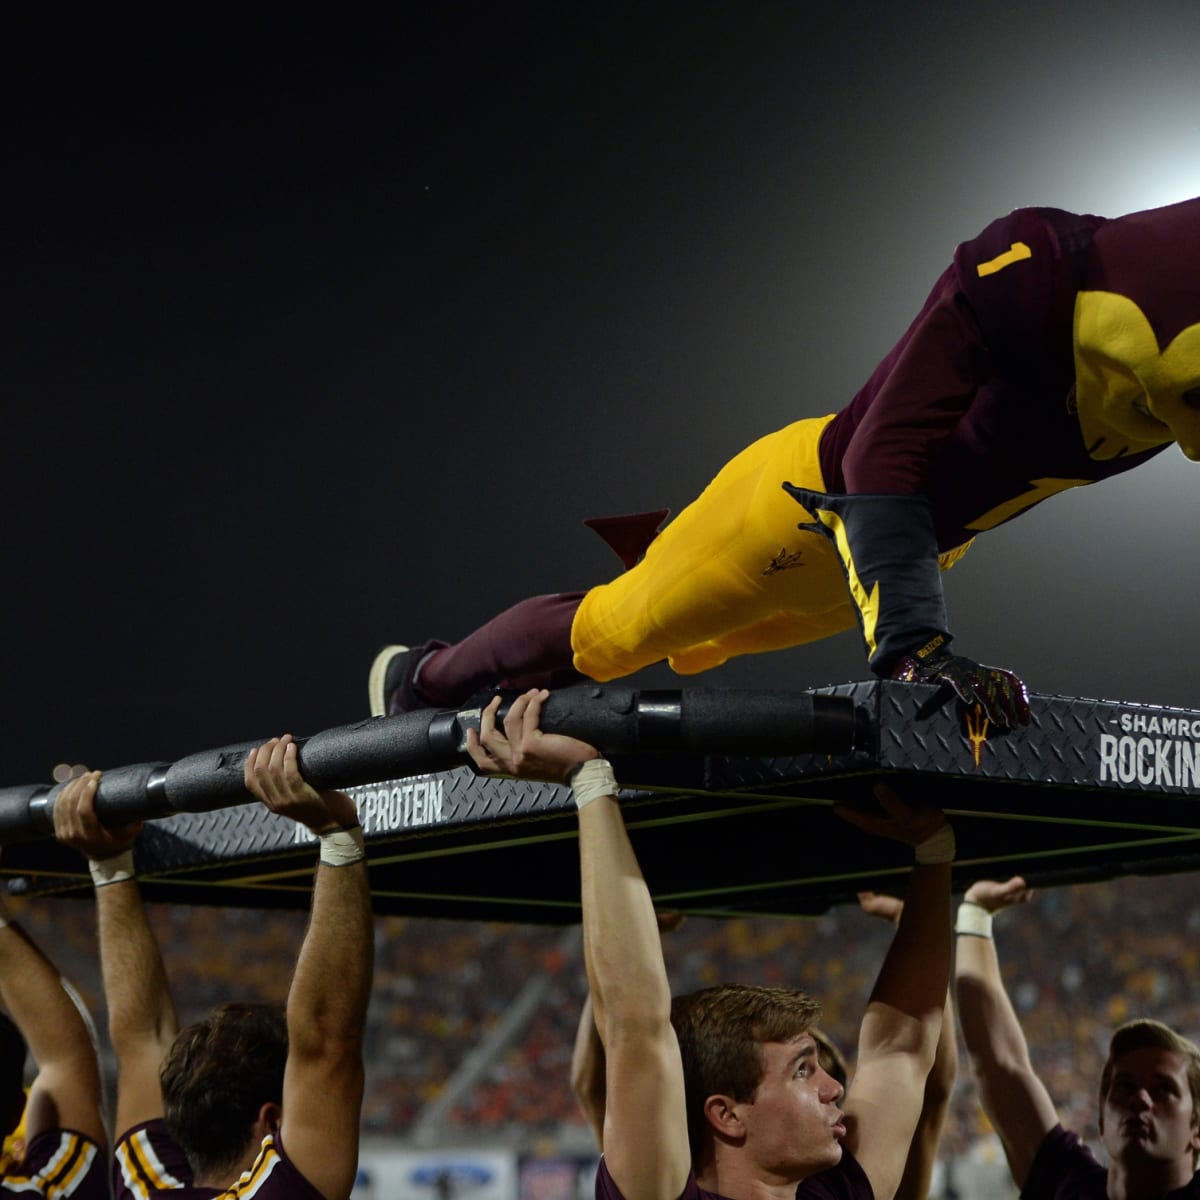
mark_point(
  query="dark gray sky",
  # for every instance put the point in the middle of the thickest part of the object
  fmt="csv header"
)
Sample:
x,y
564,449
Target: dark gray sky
x,y
330,331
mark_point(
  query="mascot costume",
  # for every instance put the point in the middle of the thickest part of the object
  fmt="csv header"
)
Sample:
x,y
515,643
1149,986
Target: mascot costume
x,y
1057,350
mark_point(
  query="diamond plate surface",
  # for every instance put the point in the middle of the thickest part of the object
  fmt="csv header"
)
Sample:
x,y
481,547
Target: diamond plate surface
x,y
1092,789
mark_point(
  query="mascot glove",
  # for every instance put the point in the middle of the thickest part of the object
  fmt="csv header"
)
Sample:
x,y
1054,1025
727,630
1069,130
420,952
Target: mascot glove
x,y
1003,697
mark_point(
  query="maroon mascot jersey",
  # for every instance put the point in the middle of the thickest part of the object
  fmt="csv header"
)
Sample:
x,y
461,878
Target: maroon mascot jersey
x,y
1057,350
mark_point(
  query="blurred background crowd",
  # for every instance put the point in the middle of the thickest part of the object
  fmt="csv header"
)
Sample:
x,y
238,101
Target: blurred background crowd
x,y
471,1026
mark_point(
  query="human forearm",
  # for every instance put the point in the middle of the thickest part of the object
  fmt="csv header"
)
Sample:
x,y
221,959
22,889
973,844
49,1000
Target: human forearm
x,y
1011,1093
645,1124
67,1091
142,1021
326,1012
901,1026
992,1032
623,951
140,1006
135,987
327,1002
33,993
904,1011
910,989
644,1133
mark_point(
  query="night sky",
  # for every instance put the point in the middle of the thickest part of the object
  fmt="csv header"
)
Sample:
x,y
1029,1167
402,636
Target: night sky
x,y
329,331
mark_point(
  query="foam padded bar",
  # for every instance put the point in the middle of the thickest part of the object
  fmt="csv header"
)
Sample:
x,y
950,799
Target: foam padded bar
x,y
619,720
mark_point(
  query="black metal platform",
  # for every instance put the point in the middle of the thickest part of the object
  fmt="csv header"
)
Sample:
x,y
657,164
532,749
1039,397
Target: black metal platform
x,y
1091,790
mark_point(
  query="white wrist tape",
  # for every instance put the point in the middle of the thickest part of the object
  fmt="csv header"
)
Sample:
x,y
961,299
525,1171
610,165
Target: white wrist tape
x,y
592,779
112,870
973,920
341,847
938,847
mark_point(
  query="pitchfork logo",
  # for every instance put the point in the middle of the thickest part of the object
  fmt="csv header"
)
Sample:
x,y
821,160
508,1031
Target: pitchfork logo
x,y
783,561
977,730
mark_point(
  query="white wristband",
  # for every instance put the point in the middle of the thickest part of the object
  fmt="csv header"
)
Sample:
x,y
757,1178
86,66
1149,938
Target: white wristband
x,y
112,870
592,779
341,847
973,920
938,847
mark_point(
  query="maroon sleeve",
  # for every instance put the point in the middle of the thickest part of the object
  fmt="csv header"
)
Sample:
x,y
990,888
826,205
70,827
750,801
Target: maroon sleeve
x,y
147,1159
1004,309
1064,1169
914,399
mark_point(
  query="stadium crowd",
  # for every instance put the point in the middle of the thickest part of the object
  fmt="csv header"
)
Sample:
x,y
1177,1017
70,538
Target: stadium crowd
x,y
1078,960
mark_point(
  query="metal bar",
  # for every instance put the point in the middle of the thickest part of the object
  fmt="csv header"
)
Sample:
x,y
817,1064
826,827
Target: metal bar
x,y
620,721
